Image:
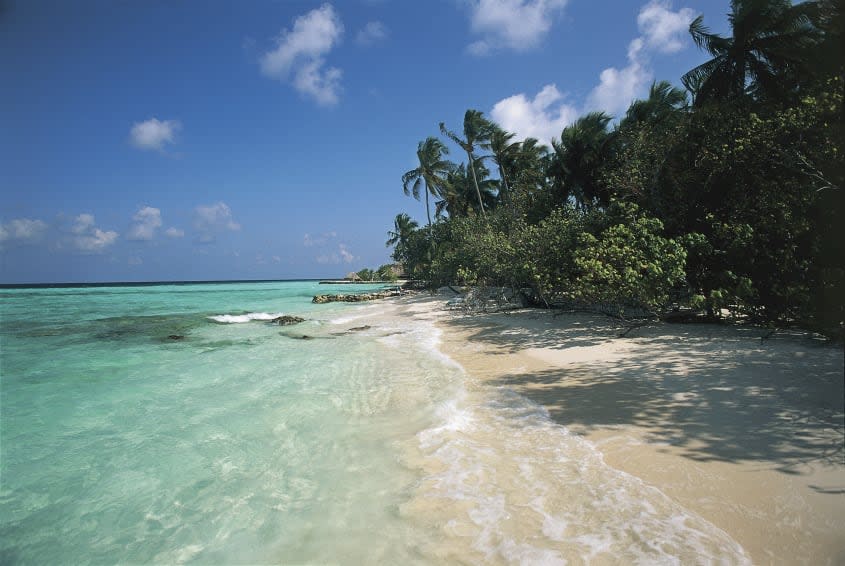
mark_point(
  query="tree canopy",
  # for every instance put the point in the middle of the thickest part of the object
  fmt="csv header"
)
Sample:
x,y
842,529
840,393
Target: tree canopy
x,y
723,199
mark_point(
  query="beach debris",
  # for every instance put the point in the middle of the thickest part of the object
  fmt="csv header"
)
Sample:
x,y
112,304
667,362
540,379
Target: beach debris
x,y
359,328
286,320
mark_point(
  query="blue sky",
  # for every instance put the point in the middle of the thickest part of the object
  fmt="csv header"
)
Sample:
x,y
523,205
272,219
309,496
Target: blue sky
x,y
196,140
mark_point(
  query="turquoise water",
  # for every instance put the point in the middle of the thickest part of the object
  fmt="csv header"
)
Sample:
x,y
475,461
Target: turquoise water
x,y
346,439
241,442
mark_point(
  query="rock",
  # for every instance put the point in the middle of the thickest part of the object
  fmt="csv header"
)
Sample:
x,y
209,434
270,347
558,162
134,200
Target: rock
x,y
175,337
287,320
355,298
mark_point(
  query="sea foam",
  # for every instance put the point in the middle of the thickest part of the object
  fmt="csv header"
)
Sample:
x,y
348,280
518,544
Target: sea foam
x,y
241,318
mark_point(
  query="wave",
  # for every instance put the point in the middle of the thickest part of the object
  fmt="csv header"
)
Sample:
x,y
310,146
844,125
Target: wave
x,y
248,317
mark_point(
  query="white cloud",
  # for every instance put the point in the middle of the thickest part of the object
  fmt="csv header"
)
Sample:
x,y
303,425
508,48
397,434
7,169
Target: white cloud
x,y
213,219
662,29
617,88
301,52
543,117
154,133
310,241
276,259
86,237
145,222
511,24
22,231
371,33
174,232
135,260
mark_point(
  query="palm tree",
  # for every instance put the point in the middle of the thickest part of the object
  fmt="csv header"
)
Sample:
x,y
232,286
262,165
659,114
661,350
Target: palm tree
x,y
663,100
403,227
504,152
583,148
476,134
457,196
430,173
769,41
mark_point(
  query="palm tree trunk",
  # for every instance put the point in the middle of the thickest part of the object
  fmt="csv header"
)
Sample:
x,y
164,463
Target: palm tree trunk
x,y
475,182
427,211
507,194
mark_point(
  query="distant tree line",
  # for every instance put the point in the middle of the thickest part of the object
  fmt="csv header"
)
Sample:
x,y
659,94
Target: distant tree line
x,y
724,198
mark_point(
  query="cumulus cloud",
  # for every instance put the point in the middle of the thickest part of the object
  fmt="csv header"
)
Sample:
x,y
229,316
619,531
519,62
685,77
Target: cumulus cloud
x,y
174,232
299,55
22,231
154,134
371,33
86,237
542,117
617,88
511,24
213,219
661,31
145,222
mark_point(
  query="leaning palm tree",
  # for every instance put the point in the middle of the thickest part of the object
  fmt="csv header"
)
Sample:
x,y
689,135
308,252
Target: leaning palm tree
x,y
430,175
769,40
503,153
476,134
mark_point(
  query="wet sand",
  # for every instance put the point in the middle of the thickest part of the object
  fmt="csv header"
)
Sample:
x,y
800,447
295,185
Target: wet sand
x,y
746,432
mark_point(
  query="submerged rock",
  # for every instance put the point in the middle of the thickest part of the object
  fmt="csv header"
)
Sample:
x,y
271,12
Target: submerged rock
x,y
175,337
287,320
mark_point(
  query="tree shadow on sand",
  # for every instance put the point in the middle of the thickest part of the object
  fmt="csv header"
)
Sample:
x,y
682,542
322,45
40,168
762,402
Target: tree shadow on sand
x,y
718,393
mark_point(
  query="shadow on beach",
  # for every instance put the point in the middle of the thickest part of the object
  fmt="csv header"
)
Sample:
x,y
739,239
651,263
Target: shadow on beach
x,y
717,393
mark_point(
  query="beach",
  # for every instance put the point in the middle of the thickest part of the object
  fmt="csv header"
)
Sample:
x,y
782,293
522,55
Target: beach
x,y
743,431
188,423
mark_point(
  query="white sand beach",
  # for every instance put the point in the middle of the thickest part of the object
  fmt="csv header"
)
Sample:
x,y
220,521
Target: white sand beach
x,y
745,432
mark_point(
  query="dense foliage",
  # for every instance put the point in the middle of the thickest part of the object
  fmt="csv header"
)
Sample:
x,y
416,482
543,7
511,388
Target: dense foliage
x,y
724,199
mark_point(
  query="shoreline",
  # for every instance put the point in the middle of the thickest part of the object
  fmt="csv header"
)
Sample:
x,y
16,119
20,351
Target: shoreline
x,y
747,434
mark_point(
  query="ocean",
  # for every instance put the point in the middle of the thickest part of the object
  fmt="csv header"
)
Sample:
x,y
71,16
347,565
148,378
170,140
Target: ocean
x,y
175,423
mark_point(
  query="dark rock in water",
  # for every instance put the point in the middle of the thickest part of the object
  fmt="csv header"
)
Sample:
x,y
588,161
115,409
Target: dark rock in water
x,y
355,298
175,337
287,320
360,328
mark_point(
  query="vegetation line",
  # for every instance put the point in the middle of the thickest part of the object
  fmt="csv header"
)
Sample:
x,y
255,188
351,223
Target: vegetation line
x,y
723,199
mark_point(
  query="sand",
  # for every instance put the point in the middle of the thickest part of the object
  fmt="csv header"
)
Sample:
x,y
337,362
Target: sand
x,y
746,432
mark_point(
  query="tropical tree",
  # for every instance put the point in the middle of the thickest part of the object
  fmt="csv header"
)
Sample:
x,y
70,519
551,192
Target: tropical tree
x,y
663,101
579,154
770,40
458,195
504,153
403,228
476,134
430,174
